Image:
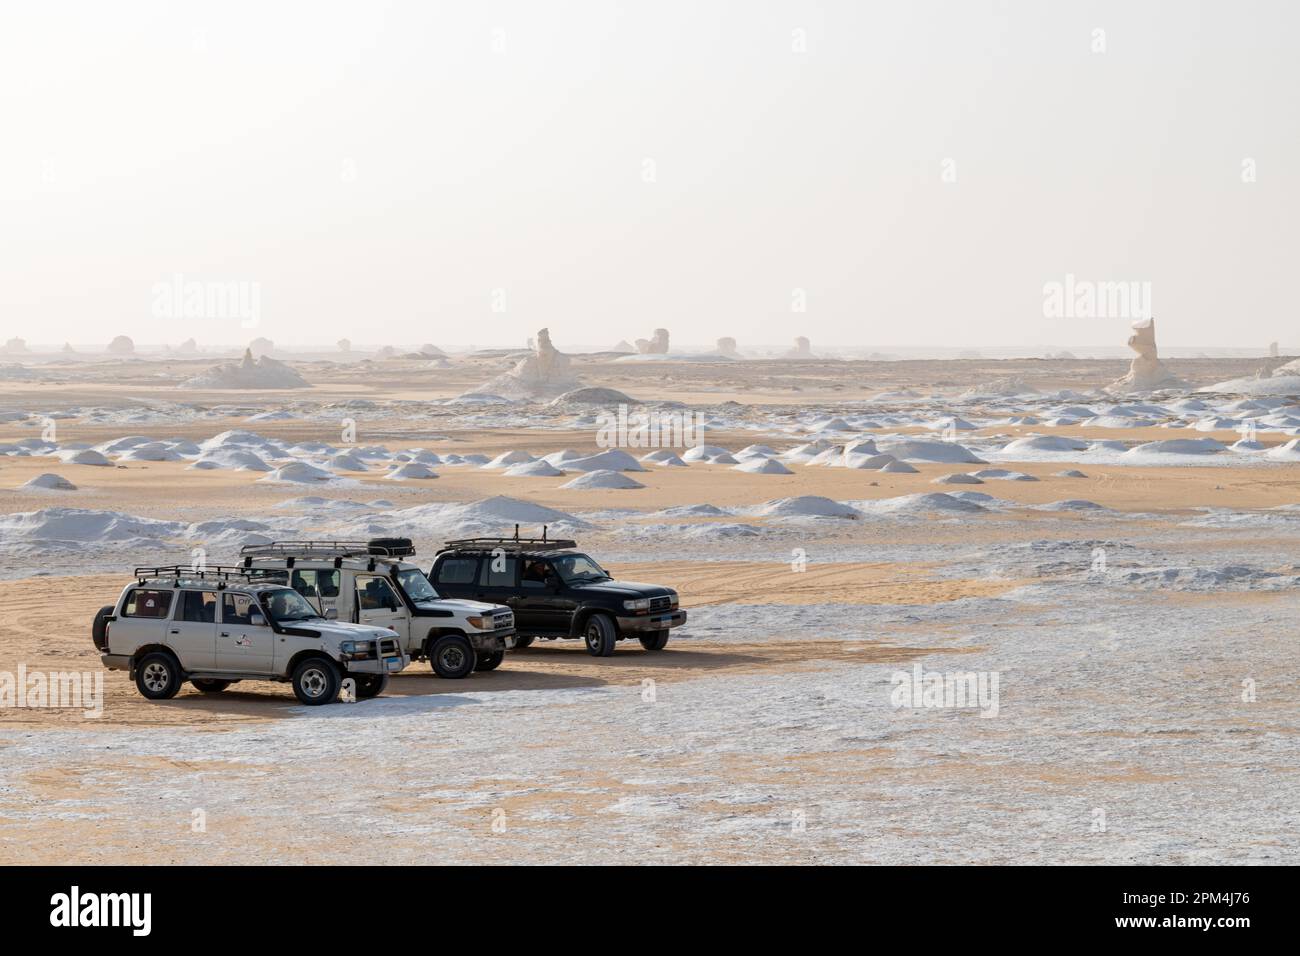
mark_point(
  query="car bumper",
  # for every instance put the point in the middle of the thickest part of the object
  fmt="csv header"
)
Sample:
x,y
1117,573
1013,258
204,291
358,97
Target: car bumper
x,y
385,665
116,662
489,642
652,622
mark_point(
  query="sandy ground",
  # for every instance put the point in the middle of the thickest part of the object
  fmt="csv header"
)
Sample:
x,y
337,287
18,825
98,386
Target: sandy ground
x,y
1146,710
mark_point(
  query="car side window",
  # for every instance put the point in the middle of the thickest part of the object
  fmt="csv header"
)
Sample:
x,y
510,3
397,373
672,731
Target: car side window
x,y
534,574
374,594
498,571
237,608
199,607
145,602
458,571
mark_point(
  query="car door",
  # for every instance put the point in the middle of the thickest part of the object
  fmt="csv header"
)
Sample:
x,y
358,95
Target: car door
x,y
379,606
456,576
320,586
541,606
192,631
498,583
242,645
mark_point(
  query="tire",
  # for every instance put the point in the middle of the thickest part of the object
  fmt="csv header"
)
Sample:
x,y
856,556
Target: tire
x,y
522,642
490,662
316,681
158,676
452,657
211,685
655,640
99,626
600,635
370,685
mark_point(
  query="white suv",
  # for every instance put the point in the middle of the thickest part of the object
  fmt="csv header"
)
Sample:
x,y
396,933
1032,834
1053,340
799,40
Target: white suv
x,y
216,626
368,582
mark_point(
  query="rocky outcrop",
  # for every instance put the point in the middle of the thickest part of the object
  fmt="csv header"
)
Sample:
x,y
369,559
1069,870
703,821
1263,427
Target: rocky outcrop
x,y
802,349
655,345
264,372
1147,373
727,346
543,373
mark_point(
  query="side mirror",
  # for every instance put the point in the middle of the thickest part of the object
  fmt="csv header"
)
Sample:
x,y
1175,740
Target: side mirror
x,y
256,620
332,614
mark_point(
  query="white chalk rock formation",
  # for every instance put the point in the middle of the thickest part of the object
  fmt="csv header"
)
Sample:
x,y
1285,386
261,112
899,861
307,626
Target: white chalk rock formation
x,y
1147,373
655,345
727,346
264,372
121,345
544,373
802,349
15,346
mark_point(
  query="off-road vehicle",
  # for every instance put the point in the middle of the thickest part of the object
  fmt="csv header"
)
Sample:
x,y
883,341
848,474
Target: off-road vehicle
x,y
217,626
557,591
368,582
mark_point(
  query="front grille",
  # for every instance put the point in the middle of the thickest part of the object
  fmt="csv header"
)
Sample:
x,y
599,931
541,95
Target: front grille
x,y
503,620
661,603
388,648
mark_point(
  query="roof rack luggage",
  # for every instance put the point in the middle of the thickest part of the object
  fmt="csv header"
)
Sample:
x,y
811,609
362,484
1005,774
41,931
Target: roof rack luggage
x,y
375,547
219,573
510,544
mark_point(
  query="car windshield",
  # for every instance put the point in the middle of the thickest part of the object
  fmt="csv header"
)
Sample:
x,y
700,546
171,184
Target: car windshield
x,y
578,569
416,585
287,605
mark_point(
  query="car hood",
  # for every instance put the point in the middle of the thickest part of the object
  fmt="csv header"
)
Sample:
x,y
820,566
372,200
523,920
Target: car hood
x,y
462,605
342,630
626,590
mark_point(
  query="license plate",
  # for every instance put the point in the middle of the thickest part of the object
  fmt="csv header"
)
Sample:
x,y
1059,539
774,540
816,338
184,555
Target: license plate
x,y
394,663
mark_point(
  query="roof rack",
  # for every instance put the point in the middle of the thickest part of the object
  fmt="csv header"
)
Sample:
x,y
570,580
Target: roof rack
x,y
220,573
514,544
377,547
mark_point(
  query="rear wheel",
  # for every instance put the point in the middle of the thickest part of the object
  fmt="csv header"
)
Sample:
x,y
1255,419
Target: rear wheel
x,y
158,676
600,635
452,657
490,662
370,685
655,640
210,685
316,681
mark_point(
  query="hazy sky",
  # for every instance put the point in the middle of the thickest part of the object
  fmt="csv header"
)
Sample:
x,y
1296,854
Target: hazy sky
x,y
403,172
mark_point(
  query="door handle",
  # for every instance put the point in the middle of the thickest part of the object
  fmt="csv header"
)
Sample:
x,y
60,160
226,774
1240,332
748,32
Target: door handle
x,y
175,630
225,633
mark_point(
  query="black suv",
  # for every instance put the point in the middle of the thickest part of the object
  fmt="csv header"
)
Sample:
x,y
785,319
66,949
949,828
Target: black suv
x,y
556,591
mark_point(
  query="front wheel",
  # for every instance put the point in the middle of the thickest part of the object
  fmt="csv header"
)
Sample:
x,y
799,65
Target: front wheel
x,y
158,676
370,685
600,636
210,685
316,681
452,657
490,662
655,640
522,642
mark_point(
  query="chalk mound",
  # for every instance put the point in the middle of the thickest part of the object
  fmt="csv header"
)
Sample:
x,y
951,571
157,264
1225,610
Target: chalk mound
x,y
603,479
1045,443
1288,452
1072,504
805,506
692,511
348,461
85,456
151,451
48,482
957,479
412,469
299,472
1177,446
923,504
533,469
613,459
249,372
591,395
762,466
231,458
704,453
508,458
897,468
1071,473
1002,474
870,462
946,452
80,526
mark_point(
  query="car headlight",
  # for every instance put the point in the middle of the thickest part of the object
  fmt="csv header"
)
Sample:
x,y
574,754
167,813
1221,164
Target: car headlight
x,y
482,622
673,602
640,604
357,650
